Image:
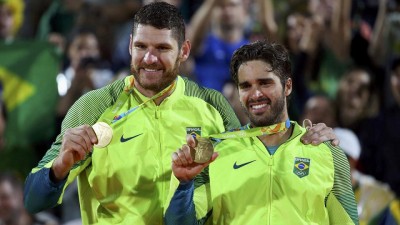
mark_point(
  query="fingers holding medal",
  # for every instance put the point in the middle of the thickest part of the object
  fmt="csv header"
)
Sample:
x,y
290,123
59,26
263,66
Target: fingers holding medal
x,y
192,158
198,149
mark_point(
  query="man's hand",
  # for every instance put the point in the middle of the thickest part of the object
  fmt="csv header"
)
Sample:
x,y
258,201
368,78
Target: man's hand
x,y
76,143
318,133
183,166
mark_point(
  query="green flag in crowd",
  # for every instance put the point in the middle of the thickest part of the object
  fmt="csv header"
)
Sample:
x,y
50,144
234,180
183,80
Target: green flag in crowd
x,y
28,71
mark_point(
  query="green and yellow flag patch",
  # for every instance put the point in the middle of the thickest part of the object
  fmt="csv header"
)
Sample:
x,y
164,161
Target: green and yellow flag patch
x,y
301,167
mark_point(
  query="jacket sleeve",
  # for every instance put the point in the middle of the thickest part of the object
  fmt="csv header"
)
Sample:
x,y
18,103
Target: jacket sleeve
x,y
340,203
191,202
181,209
38,187
40,192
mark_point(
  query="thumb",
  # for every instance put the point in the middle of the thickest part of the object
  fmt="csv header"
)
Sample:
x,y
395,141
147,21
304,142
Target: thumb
x,y
191,141
307,124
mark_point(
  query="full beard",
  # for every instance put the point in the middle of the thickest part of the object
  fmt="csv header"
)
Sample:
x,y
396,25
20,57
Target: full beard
x,y
268,118
164,81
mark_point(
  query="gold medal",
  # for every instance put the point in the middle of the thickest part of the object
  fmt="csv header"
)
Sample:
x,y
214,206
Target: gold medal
x,y
203,151
104,134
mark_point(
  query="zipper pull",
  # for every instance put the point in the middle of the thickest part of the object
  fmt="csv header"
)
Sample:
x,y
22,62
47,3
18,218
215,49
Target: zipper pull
x,y
271,161
157,113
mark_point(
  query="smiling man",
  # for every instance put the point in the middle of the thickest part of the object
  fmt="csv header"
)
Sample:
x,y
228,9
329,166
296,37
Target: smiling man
x,y
264,174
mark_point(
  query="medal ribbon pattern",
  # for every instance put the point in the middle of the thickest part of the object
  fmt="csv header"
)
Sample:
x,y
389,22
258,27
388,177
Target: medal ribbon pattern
x,y
256,131
204,148
129,89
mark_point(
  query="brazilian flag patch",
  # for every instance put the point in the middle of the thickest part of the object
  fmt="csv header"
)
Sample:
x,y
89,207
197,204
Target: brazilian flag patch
x,y
194,131
301,167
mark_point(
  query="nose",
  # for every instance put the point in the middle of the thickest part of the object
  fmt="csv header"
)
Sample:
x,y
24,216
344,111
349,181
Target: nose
x,y
150,57
256,93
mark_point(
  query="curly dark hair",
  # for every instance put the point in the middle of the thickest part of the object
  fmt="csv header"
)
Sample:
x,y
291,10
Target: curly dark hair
x,y
274,54
161,15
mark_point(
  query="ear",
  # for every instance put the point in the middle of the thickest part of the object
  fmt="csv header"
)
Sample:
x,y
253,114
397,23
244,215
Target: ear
x,y
130,44
288,87
185,51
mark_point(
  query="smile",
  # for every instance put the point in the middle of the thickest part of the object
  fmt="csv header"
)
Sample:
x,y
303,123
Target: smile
x,y
150,70
258,106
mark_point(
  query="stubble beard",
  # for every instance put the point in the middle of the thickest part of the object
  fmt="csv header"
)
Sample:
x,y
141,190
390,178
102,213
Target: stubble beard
x,y
167,78
274,116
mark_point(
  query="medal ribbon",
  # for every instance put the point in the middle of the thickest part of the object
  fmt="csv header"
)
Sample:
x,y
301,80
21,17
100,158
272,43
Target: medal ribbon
x,y
161,93
256,131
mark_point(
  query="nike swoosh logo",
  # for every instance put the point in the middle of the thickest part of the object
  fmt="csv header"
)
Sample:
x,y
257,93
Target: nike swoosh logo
x,y
236,166
129,138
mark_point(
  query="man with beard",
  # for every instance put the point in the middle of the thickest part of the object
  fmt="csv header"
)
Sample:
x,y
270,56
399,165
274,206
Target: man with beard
x,y
263,174
127,181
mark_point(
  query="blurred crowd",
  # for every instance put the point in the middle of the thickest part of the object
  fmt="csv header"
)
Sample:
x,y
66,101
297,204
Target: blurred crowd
x,y
345,63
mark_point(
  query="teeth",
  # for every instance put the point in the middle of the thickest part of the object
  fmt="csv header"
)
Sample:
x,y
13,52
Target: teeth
x,y
259,106
150,70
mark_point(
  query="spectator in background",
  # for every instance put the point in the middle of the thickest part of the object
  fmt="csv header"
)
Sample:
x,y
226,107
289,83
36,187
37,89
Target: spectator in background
x,y
357,99
318,39
113,29
12,211
380,143
216,30
107,18
86,71
11,16
385,41
319,44
320,109
58,20
372,196
302,39
330,26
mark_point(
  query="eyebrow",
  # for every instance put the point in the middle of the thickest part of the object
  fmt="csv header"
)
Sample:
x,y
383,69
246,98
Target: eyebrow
x,y
242,83
155,44
259,80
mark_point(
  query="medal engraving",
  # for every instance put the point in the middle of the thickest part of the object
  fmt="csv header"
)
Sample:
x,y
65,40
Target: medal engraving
x,y
203,151
104,134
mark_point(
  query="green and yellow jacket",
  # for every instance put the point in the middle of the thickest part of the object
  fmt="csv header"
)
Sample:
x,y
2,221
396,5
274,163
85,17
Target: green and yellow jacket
x,y
298,184
127,182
